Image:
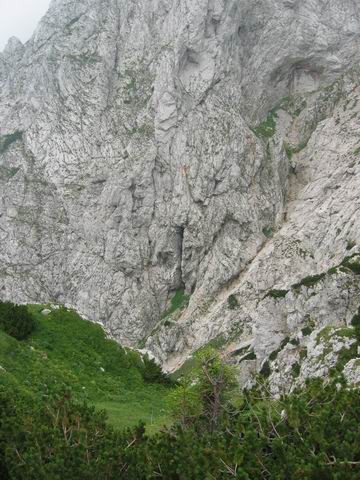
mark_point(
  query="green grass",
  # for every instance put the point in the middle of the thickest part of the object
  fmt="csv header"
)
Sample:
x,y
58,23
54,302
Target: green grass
x,y
267,128
180,300
185,368
291,150
67,351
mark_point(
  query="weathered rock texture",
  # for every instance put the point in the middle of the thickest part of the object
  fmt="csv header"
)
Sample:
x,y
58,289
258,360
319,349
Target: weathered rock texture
x,y
135,161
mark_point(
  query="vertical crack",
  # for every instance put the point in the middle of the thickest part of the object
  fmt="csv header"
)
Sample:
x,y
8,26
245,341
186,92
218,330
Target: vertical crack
x,y
179,254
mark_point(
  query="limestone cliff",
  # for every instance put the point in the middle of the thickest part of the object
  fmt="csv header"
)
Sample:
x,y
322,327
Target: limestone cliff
x,y
210,145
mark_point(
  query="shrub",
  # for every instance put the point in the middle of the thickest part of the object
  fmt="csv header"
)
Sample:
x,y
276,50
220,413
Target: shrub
x,y
276,293
353,263
306,330
265,369
15,320
313,433
153,373
295,369
232,302
355,321
310,281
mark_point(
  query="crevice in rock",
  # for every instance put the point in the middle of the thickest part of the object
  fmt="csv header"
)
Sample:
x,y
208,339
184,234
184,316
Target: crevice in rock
x,y
179,255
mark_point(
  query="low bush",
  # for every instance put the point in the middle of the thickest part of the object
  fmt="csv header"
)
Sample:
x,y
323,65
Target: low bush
x,y
15,320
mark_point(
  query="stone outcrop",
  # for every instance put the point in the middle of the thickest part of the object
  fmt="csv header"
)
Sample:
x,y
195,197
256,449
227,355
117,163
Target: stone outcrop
x,y
157,146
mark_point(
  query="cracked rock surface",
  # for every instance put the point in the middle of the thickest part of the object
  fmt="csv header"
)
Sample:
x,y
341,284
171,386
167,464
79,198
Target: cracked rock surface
x,y
213,146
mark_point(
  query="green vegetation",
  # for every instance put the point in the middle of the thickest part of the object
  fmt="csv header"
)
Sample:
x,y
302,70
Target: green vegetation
x,y
350,244
267,128
355,321
310,281
249,356
268,232
306,330
352,263
276,293
273,355
217,432
7,140
8,172
16,321
232,302
295,369
179,301
265,370
291,150
303,353
344,356
292,105
66,352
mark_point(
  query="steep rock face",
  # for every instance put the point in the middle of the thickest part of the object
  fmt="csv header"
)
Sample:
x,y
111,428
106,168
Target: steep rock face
x,y
133,163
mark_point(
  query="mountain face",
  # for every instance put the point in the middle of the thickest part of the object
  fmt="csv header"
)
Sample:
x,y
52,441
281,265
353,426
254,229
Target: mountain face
x,y
213,145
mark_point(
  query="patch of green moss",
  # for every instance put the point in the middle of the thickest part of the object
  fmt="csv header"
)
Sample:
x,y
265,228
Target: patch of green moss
x,y
353,263
273,355
292,105
306,331
332,271
328,332
267,128
268,232
310,281
291,150
276,293
7,140
217,342
179,301
295,368
345,355
324,335
303,353
8,172
232,302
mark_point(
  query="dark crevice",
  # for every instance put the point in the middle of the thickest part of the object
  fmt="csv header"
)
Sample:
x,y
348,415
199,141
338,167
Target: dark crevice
x,y
179,254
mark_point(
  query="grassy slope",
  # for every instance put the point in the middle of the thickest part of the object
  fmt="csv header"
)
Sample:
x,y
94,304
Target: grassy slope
x,y
65,349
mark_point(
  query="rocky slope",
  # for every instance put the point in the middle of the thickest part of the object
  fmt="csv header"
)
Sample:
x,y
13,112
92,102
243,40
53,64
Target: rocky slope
x,y
152,146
